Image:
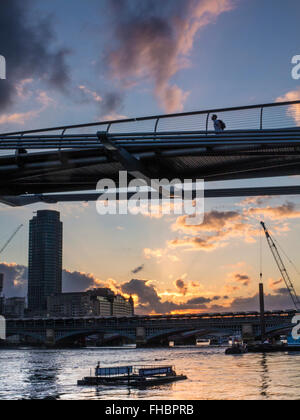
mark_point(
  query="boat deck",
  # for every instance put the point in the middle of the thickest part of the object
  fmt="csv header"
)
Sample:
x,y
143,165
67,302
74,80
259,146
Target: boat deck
x,y
133,381
140,377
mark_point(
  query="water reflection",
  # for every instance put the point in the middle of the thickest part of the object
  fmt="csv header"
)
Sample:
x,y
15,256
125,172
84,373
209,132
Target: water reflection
x,y
44,374
265,378
40,371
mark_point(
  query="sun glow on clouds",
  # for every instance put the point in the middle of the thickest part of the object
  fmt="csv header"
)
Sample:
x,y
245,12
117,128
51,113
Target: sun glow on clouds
x,y
96,97
293,110
219,228
22,90
42,99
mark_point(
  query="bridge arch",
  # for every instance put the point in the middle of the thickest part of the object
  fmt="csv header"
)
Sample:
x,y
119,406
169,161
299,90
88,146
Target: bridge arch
x,y
207,331
83,334
39,337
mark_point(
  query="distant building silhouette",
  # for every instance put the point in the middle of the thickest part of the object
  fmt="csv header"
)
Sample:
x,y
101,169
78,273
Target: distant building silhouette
x,y
45,259
14,307
1,297
95,302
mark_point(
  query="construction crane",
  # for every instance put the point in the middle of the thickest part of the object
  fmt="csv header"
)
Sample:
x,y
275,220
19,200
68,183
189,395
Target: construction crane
x,y
282,268
10,239
3,249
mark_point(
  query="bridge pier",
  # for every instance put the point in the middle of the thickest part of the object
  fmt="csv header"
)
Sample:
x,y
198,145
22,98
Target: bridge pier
x,y
248,334
50,338
141,337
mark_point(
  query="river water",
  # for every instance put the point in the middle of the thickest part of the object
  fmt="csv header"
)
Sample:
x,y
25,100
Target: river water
x,y
53,374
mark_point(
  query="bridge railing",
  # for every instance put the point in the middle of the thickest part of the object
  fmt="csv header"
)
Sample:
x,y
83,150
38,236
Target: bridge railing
x,y
279,116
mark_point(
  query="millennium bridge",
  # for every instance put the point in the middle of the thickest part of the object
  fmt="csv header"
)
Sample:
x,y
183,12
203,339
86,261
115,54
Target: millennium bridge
x,y
65,163
148,330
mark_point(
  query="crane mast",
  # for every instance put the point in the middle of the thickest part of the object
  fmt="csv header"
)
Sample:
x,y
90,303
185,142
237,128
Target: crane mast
x,y
282,269
2,249
10,239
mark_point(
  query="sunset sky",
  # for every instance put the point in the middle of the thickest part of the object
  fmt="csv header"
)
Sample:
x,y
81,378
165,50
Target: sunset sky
x,y
72,62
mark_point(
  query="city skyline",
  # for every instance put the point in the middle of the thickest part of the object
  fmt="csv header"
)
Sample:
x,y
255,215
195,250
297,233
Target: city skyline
x,y
213,61
76,281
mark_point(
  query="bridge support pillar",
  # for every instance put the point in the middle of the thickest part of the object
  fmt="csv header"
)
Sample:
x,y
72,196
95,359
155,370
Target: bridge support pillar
x,y
140,337
50,338
248,333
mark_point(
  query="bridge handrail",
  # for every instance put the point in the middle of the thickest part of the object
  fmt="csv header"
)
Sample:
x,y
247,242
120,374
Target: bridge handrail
x,y
157,118
190,138
79,137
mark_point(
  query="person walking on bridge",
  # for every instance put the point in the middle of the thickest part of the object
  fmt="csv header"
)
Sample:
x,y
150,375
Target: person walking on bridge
x,y
219,125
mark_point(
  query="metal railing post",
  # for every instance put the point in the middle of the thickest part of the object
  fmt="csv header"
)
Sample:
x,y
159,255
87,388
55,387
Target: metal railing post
x,y
108,128
207,122
156,125
261,118
62,137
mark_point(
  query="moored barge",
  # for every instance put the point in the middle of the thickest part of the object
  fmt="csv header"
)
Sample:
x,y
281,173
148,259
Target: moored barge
x,y
134,376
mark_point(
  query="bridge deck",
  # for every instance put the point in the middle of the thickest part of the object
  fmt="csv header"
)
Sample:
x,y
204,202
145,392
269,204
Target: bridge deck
x,y
154,326
260,141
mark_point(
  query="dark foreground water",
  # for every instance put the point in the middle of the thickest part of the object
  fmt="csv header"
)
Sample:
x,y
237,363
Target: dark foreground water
x,y
40,374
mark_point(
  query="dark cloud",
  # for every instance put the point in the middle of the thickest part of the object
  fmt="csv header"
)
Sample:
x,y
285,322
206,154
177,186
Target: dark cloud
x,y
151,41
181,286
273,284
146,293
26,43
281,301
282,291
198,301
74,281
138,269
112,103
242,278
15,280
109,103
150,301
15,285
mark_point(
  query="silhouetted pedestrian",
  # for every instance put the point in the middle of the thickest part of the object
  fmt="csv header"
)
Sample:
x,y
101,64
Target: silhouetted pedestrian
x,y
219,125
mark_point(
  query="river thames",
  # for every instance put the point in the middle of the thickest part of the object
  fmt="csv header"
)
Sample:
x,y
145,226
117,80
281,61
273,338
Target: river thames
x,y
53,374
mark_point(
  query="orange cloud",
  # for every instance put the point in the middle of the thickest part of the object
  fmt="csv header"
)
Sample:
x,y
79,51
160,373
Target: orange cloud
x,y
21,88
21,117
18,117
275,284
286,211
293,110
231,289
215,232
96,97
159,254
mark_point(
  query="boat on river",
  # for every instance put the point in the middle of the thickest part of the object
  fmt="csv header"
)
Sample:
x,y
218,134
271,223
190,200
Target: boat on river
x,y
237,346
134,376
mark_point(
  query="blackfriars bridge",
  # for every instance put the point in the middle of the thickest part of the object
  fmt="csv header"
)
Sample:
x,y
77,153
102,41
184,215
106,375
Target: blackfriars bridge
x,y
147,330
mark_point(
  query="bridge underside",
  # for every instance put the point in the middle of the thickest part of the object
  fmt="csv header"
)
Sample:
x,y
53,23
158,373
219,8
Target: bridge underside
x,y
259,141
152,337
73,170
